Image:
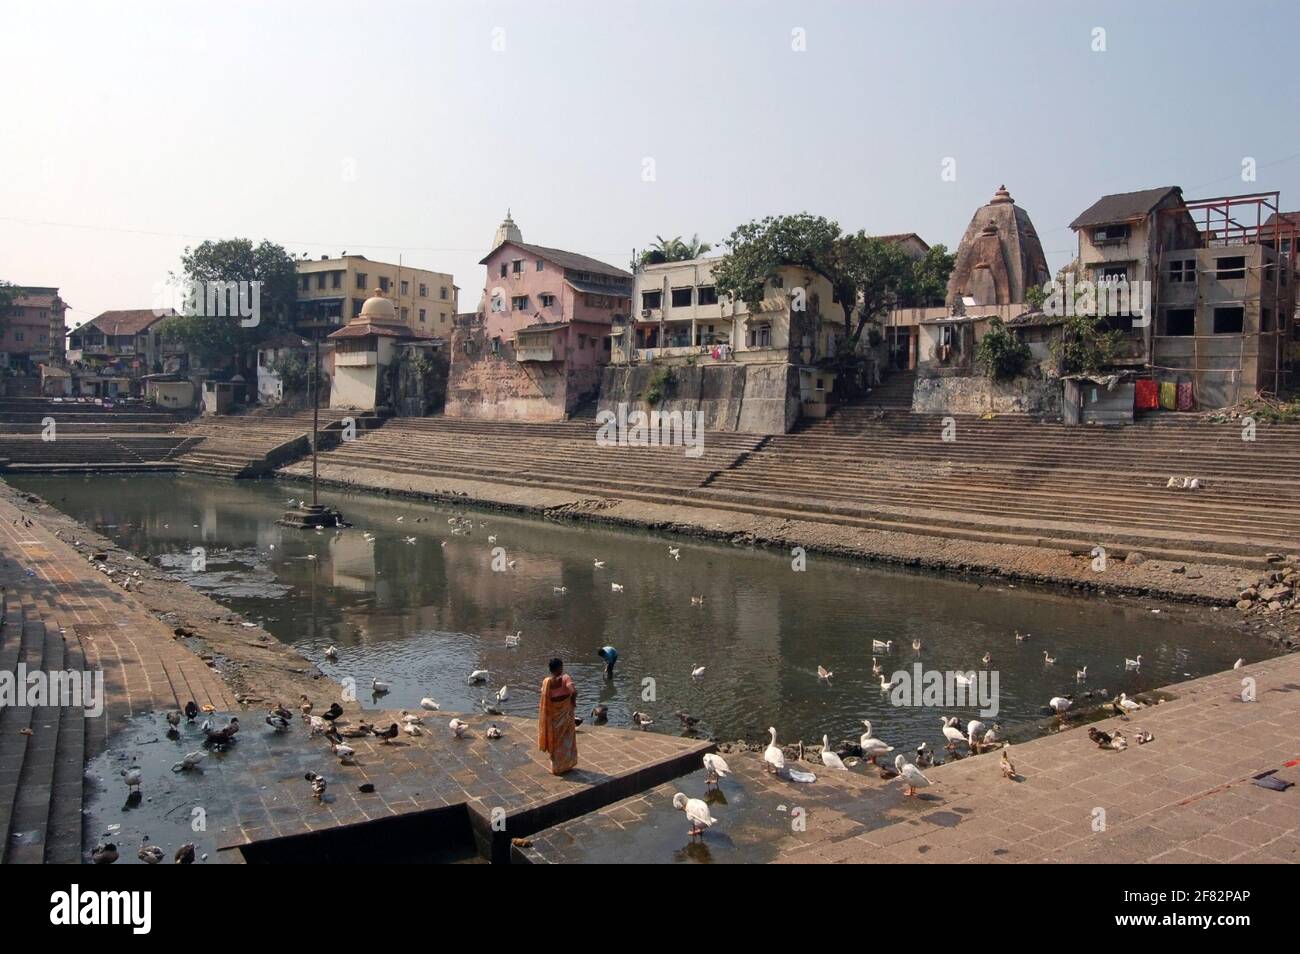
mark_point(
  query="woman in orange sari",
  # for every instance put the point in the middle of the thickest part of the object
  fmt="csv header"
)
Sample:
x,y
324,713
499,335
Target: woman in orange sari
x,y
557,733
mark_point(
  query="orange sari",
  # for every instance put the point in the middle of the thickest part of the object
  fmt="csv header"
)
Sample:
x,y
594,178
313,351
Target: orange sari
x,y
556,732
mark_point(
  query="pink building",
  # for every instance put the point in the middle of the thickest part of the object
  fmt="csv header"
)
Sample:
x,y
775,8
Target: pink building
x,y
32,333
535,349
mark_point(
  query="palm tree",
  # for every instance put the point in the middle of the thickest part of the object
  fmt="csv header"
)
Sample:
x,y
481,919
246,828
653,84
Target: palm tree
x,y
674,250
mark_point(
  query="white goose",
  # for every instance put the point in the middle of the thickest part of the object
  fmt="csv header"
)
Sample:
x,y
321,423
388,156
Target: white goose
x,y
773,757
916,645
951,732
885,684
879,646
829,758
478,675
697,810
457,727
429,705
1128,705
872,748
1050,660
379,688
513,641
974,733
964,678
598,563
715,767
332,653
1133,663
697,672
824,674
1081,674
911,776
616,587
1060,704
503,694
876,668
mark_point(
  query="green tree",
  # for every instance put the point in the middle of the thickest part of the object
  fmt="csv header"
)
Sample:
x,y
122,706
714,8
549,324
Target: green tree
x,y
1000,354
883,276
756,250
214,339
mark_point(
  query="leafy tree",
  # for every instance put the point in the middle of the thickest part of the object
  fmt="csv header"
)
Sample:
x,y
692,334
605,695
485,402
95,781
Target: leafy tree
x,y
1000,354
8,295
294,371
213,339
674,250
1085,345
756,250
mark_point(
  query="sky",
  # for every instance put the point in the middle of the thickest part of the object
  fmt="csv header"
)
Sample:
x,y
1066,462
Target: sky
x,y
131,130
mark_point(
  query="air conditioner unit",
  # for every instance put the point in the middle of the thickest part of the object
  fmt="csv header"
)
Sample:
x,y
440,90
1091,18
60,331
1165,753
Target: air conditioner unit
x,y
645,312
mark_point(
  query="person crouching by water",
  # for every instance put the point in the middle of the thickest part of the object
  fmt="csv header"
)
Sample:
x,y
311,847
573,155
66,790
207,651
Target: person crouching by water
x,y
557,732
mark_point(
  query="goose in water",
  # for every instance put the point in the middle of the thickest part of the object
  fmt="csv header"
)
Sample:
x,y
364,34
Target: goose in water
x,y
503,694
1060,704
974,733
951,733
830,759
885,684
1081,674
824,674
1049,660
697,810
332,653
1020,638
697,672
986,659
379,688
429,705
478,675
916,645
715,767
513,641
598,563
616,587
674,552
877,646
773,757
911,776
876,668
561,590
600,714
872,748
924,757
964,678
1133,663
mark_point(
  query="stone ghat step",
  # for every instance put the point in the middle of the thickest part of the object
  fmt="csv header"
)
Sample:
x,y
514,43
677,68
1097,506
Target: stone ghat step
x,y
24,643
90,427
1180,550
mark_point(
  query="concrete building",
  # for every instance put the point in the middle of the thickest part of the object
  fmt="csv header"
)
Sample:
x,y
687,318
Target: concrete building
x,y
32,333
281,346
334,290
364,351
1219,291
535,349
128,342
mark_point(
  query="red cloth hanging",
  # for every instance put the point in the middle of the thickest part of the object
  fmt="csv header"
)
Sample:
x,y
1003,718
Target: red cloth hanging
x,y
1147,395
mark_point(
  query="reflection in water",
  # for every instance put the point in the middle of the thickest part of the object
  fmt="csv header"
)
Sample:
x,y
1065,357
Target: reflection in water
x,y
408,601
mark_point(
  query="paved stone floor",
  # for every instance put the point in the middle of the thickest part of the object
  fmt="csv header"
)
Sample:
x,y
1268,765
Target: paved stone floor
x,y
144,667
255,791
1187,796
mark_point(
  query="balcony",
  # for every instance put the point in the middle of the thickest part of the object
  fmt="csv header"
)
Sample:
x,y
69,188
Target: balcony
x,y
356,359
536,353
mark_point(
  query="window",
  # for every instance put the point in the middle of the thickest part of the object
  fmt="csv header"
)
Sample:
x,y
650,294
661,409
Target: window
x,y
707,295
442,317
1180,322
361,281
405,288
1182,272
404,314
652,299
383,284
759,336
306,282
504,268
1229,321
548,301
1110,233
18,336
1230,267
423,317
778,282
424,290
582,342
517,266
682,297
1114,273
336,279
442,292
356,306
496,345
320,281
519,302
539,265
1266,319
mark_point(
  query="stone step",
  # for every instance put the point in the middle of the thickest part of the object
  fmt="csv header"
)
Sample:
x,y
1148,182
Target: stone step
x,y
14,743
63,834
27,830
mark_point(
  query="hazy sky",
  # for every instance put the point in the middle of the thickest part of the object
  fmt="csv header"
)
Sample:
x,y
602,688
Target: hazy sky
x,y
129,130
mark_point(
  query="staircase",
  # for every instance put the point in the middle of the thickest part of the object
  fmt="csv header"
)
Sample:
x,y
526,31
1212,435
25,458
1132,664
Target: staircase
x,y
42,749
894,394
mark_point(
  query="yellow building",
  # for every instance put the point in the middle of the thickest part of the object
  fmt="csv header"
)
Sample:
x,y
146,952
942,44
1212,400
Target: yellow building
x,y
334,289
